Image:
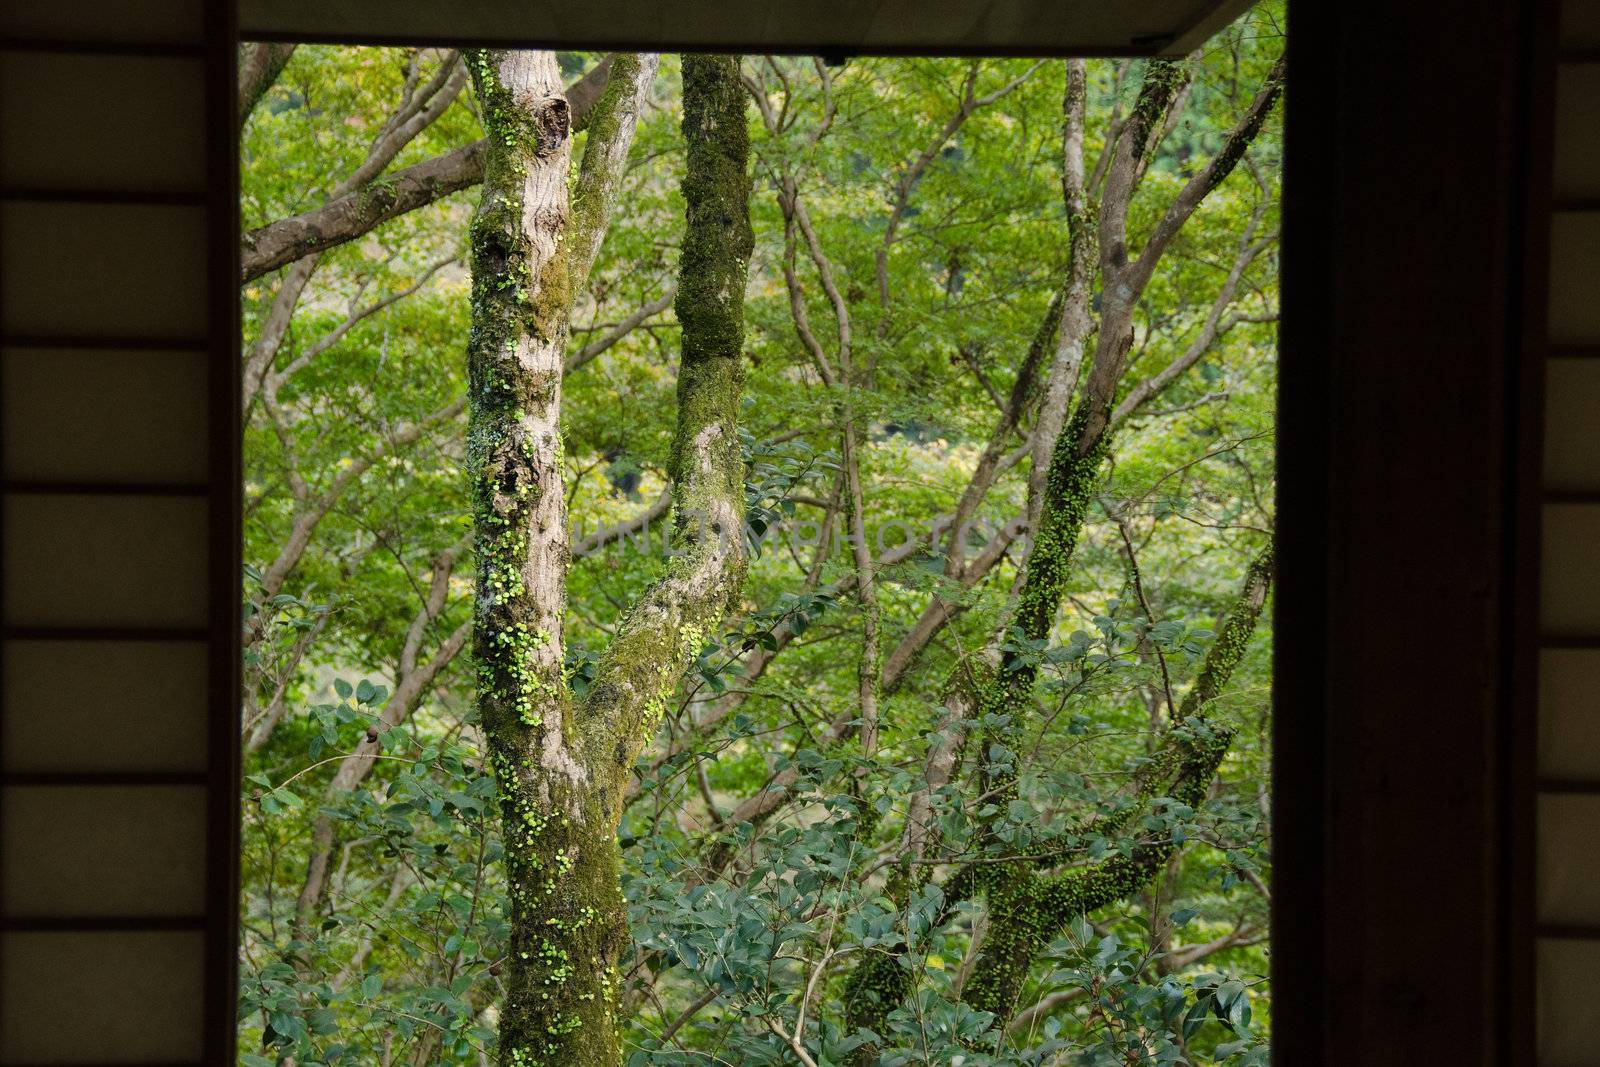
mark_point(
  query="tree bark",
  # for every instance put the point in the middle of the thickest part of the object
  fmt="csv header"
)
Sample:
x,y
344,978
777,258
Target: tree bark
x,y
561,765
259,67
355,213
1029,909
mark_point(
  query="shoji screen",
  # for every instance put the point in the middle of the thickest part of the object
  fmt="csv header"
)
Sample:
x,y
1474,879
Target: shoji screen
x,y
119,604
1568,897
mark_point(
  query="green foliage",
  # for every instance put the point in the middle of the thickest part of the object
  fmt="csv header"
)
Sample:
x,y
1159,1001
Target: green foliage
x,y
358,501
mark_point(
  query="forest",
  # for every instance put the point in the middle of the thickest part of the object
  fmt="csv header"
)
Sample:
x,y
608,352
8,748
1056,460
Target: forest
x,y
758,560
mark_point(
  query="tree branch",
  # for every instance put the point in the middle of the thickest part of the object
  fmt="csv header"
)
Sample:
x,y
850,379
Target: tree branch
x,y
970,103
259,66
611,124
1221,165
664,629
353,214
621,329
306,521
355,318
1212,328
626,528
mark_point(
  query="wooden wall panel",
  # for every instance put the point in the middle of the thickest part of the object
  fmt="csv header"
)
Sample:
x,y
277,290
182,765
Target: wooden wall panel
x,y
1572,424
133,418
108,25
1398,606
102,270
65,130
1566,903
129,707
151,837
1569,714
1569,876
1580,25
119,552
1367,950
105,561
1566,1013
1577,154
97,997
1569,603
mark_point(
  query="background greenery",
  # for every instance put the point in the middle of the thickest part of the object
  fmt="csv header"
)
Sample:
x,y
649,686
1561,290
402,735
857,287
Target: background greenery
x,y
356,611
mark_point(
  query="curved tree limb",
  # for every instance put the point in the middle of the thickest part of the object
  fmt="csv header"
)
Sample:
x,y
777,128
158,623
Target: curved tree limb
x,y
621,329
420,106
259,66
353,213
1029,910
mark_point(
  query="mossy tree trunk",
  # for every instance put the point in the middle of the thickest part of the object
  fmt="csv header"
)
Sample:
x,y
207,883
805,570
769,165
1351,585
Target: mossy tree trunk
x,y
1068,457
561,763
1029,908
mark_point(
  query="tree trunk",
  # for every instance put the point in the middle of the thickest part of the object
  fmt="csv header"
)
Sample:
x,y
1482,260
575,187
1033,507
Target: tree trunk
x,y
562,765
1028,909
259,67
564,898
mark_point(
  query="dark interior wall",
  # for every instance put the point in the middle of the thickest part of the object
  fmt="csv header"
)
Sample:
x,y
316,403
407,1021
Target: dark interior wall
x,y
1412,298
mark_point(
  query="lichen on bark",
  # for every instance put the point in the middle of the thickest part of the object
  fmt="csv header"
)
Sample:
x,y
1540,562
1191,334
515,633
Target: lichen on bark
x,y
560,764
563,900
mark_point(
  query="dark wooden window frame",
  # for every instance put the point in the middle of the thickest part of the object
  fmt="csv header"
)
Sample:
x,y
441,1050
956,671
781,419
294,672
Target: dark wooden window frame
x,y
1411,403
1416,241
1416,237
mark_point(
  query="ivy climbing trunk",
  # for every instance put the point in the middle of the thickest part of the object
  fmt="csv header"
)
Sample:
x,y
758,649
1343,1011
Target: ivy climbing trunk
x,y
561,764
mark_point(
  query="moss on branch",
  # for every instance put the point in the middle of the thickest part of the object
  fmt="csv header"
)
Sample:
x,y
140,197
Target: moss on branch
x,y
662,632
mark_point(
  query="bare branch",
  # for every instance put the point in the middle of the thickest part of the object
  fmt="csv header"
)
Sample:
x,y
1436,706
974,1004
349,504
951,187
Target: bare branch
x,y
416,114
353,215
1077,314
1163,79
621,330
627,528
911,175
1144,605
411,681
306,520
416,111
855,503
274,328
355,318
1212,328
